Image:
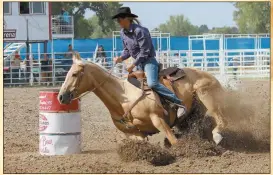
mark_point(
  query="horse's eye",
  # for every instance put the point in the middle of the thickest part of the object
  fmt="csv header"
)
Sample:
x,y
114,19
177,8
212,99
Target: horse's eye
x,y
74,75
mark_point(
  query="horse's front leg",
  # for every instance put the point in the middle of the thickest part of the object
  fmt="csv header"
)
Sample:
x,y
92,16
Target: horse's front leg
x,y
131,133
162,126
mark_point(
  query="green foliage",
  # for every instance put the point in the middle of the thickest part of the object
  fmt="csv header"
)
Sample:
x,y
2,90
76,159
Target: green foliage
x,y
252,17
224,30
203,29
179,26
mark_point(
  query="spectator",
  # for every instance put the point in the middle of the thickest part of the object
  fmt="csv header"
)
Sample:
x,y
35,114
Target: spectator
x,y
68,58
70,49
69,52
65,21
45,68
101,56
176,60
164,60
15,66
235,63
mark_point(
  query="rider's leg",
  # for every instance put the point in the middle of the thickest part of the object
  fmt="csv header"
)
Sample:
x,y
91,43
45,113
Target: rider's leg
x,y
151,70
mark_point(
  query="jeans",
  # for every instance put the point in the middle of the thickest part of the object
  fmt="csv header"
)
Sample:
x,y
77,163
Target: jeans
x,y
151,69
15,75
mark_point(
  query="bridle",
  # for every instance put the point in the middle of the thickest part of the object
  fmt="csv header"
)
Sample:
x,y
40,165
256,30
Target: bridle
x,y
74,92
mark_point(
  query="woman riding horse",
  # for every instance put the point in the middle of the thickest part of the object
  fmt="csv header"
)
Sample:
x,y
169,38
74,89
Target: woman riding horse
x,y
137,43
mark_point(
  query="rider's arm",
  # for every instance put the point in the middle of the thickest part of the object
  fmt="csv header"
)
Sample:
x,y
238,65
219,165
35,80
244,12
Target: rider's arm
x,y
143,46
125,53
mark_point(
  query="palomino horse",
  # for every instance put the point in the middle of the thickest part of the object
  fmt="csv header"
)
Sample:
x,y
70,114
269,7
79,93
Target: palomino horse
x,y
148,115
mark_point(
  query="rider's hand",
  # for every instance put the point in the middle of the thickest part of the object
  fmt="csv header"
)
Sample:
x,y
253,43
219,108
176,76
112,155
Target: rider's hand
x,y
130,68
117,60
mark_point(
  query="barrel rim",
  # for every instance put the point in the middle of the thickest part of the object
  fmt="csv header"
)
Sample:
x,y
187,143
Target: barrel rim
x,y
50,90
71,113
61,111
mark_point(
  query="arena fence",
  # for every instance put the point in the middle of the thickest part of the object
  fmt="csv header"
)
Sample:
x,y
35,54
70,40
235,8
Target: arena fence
x,y
51,69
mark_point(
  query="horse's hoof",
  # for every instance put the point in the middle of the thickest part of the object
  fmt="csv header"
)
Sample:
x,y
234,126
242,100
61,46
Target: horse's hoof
x,y
217,138
167,144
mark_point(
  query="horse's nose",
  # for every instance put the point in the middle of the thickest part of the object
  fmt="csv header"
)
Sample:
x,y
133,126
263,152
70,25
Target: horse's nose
x,y
64,98
61,99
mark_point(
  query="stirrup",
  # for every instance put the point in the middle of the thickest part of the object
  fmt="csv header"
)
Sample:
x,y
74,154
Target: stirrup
x,y
175,104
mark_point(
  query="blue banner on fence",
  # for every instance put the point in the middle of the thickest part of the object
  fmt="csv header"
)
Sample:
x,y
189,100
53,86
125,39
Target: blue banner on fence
x,y
177,43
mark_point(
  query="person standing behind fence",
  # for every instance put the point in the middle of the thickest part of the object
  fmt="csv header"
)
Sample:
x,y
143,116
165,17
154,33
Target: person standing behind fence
x,y
45,68
68,56
101,56
15,66
69,52
236,64
65,21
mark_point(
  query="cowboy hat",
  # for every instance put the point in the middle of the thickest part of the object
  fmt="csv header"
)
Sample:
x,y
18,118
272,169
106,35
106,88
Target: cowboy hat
x,y
124,12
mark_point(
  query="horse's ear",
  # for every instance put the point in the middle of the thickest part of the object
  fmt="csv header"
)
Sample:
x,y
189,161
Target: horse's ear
x,y
77,59
78,62
76,56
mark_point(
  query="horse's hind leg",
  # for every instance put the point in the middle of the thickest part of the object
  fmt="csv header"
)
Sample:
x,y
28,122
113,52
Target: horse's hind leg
x,y
162,126
220,124
210,98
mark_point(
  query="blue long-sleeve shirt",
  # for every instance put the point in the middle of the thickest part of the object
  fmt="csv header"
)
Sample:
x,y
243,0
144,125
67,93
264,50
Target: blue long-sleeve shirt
x,y
137,43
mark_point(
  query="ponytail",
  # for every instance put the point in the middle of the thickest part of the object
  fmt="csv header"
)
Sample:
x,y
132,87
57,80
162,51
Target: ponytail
x,y
134,21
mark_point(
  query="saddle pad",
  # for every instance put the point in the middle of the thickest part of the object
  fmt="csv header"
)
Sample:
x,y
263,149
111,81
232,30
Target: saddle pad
x,y
173,72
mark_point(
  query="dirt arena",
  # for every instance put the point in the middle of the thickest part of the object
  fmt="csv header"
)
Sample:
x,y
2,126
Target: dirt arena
x,y
246,151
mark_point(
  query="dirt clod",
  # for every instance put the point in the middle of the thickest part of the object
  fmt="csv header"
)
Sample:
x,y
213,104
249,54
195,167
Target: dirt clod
x,y
142,150
193,146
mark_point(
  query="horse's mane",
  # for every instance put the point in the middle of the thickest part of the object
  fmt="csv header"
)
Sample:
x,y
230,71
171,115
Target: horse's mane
x,y
78,61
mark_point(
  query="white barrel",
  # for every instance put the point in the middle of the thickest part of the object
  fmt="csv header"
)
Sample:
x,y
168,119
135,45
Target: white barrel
x,y
59,125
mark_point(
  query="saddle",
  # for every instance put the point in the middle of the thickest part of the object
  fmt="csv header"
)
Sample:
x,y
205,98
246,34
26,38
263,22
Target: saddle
x,y
171,74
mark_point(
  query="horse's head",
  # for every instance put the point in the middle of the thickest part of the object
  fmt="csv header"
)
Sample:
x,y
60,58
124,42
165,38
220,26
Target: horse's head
x,y
75,82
